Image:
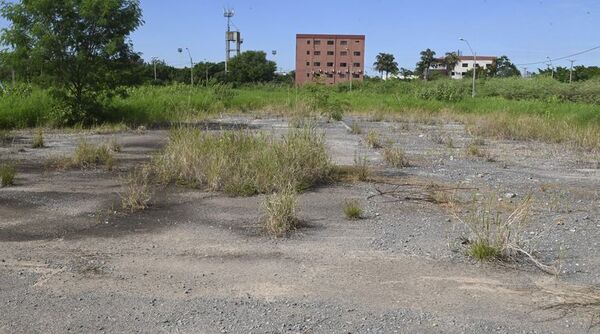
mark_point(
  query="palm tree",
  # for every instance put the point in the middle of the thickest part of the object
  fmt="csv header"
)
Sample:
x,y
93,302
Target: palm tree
x,y
385,62
450,60
427,58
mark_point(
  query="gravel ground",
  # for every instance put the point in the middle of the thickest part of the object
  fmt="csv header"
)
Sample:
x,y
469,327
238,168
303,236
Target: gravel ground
x,y
195,262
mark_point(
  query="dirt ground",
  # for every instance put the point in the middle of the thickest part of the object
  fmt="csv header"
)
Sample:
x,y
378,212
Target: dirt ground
x,y
71,261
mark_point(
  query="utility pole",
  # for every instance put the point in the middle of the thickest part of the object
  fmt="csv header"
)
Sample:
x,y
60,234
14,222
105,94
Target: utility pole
x,y
349,67
154,61
473,93
524,72
571,71
180,50
550,66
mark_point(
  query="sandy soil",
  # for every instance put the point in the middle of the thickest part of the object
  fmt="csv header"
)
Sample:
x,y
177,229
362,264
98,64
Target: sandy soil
x,y
72,261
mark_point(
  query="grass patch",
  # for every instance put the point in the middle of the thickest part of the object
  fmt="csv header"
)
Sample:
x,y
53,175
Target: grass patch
x,y
373,140
137,193
395,157
355,128
498,233
38,139
353,210
280,209
7,174
241,163
89,155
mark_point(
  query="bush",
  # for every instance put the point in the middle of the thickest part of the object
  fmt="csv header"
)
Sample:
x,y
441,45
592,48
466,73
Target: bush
x,y
240,163
443,90
7,175
373,140
352,210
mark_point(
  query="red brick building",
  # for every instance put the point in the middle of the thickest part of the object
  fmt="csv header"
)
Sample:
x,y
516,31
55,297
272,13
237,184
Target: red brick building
x,y
330,59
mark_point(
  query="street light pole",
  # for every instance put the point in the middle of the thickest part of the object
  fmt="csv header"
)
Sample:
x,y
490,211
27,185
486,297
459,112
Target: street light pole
x,y
180,50
206,69
473,93
349,67
154,60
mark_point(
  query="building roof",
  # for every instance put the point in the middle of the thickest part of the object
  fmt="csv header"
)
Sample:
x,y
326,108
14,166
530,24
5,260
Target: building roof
x,y
325,36
489,58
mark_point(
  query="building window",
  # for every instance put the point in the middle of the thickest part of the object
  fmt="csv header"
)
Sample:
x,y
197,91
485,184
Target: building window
x,y
453,73
317,42
356,64
464,73
307,63
330,42
344,53
317,63
329,75
342,75
330,53
465,65
308,42
308,75
344,43
357,53
355,75
308,53
329,64
317,53
357,42
343,64
476,65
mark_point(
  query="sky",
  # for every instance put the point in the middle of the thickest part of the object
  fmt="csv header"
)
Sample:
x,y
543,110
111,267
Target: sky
x,y
525,30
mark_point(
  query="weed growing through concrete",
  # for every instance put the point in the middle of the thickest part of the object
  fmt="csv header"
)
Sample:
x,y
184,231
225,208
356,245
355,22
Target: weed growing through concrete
x,y
114,145
241,163
280,209
337,115
373,140
499,236
7,174
355,128
137,192
38,139
362,172
395,157
353,210
89,155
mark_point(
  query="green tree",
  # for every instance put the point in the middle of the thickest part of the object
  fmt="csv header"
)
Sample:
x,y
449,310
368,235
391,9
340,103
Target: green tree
x,y
251,66
81,46
503,68
450,60
386,63
427,58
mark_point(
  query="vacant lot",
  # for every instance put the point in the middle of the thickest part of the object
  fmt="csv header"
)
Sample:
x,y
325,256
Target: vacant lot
x,y
71,260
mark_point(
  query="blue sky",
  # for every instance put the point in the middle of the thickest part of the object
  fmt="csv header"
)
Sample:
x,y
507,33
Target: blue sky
x,y
525,30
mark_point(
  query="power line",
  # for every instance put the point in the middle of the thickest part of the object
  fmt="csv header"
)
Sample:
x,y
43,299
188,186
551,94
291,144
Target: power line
x,y
561,58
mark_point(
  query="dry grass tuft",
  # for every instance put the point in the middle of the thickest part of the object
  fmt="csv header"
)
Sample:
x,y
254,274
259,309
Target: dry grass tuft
x,y
353,210
137,193
280,209
89,155
38,139
373,140
499,236
355,128
395,157
7,174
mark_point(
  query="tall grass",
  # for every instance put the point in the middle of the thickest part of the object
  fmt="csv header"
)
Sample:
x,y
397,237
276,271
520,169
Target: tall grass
x,y
241,163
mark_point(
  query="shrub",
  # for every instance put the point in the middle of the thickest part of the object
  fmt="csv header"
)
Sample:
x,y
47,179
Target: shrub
x,y
362,171
336,115
280,209
90,156
240,163
443,90
7,175
352,209
38,139
137,192
395,157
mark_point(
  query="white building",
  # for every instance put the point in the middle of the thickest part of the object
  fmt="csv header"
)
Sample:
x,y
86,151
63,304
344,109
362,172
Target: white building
x,y
463,66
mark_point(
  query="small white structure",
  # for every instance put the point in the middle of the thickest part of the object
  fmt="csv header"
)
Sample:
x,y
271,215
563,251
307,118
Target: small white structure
x,y
463,66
